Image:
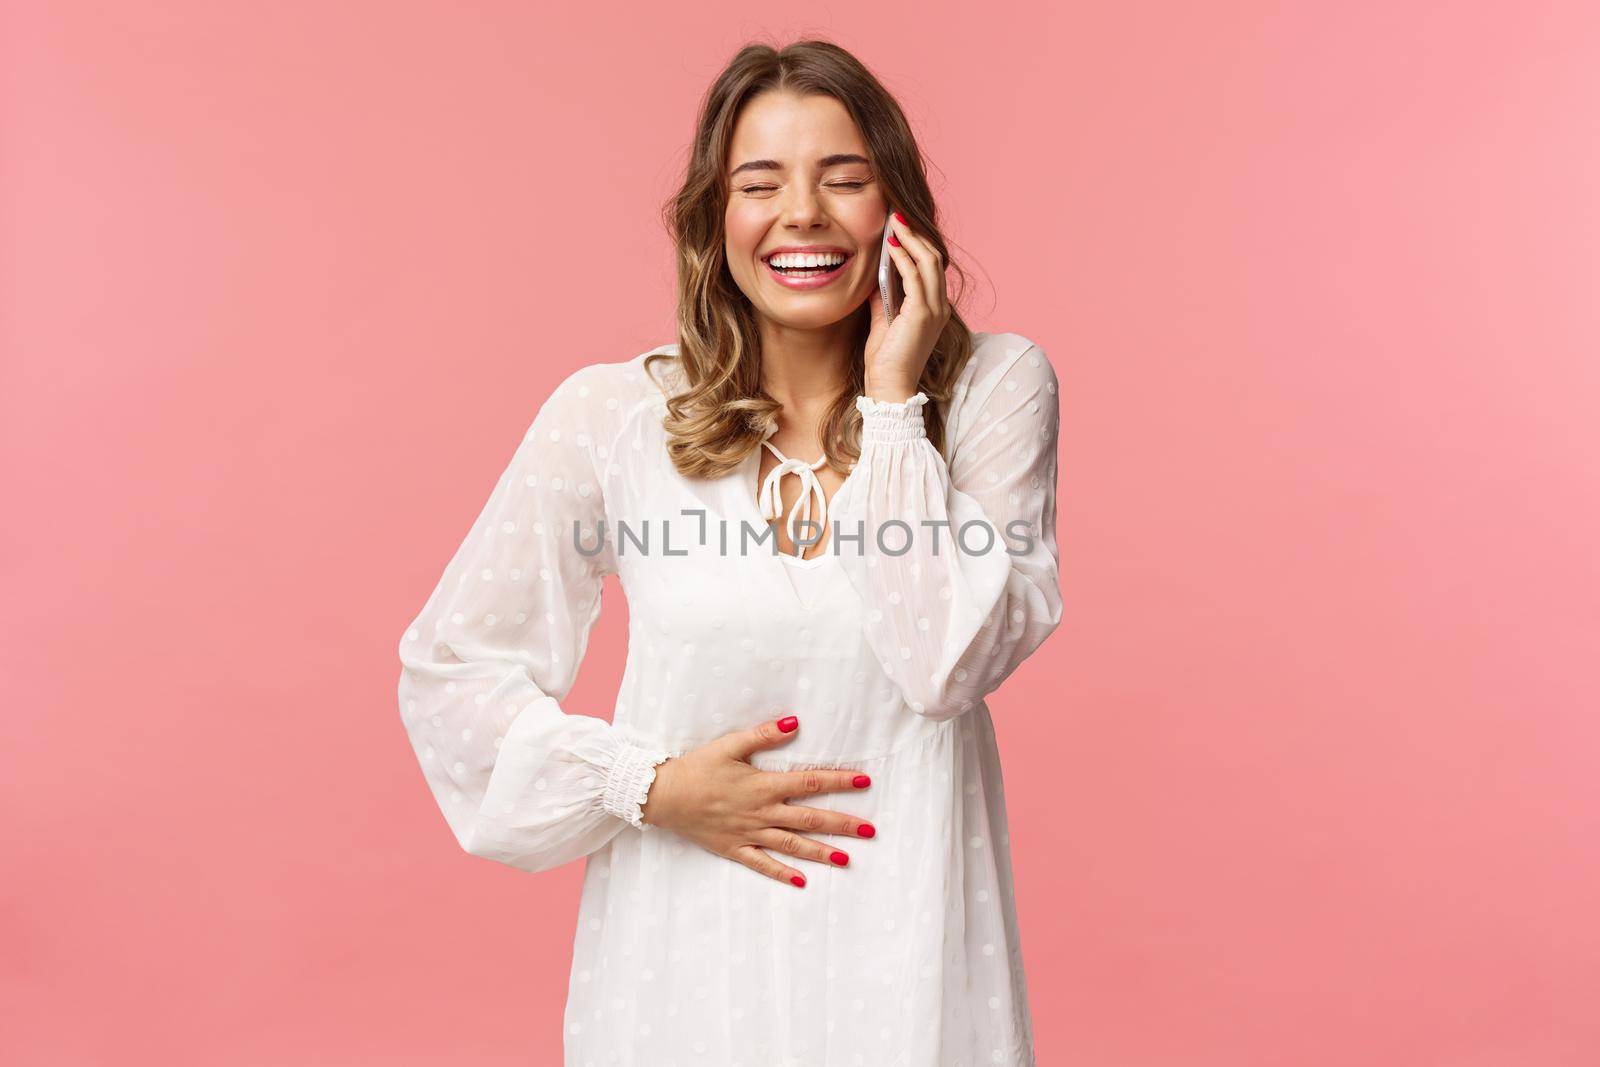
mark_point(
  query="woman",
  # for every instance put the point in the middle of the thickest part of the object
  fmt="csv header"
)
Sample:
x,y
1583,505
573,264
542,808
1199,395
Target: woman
x,y
815,696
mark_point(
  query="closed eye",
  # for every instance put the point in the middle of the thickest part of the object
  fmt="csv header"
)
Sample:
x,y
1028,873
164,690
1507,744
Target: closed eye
x,y
831,185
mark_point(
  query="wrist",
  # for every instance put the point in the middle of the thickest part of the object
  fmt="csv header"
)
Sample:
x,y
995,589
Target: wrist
x,y
892,388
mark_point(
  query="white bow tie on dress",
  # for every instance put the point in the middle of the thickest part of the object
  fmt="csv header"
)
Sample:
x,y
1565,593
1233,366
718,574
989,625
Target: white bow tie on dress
x,y
810,487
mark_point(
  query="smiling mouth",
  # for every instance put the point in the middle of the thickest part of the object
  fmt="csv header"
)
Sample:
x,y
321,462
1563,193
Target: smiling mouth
x,y
810,272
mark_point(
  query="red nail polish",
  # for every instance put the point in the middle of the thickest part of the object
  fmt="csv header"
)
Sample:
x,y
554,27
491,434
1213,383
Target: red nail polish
x,y
861,781
840,858
788,723
866,830
799,880
900,219
894,240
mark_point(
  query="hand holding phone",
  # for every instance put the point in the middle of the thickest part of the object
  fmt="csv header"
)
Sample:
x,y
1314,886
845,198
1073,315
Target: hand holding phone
x,y
891,289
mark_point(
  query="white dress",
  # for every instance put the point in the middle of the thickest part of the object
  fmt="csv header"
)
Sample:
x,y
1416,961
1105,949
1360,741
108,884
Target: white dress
x,y
884,647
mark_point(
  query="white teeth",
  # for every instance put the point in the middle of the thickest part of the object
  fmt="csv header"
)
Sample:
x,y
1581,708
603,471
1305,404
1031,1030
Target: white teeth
x,y
796,259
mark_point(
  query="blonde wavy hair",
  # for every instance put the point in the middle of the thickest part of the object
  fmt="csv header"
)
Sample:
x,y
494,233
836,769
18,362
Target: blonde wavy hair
x,y
720,412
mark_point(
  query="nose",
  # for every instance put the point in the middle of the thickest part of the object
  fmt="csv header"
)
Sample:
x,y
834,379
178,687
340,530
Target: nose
x,y
802,208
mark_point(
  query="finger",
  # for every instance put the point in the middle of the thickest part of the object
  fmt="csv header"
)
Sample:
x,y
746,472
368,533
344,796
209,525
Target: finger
x,y
805,783
921,249
758,860
930,264
792,844
819,821
910,277
769,734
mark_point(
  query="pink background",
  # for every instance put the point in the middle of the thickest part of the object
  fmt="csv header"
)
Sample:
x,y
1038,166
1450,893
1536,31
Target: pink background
x,y
1308,776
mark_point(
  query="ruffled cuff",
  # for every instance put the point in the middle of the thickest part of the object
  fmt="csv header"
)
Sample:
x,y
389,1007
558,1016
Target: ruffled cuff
x,y
628,783
885,422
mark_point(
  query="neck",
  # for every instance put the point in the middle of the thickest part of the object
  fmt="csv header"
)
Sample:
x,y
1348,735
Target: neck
x,y
805,370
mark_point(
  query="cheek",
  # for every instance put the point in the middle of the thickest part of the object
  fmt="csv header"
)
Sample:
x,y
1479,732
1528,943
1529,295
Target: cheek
x,y
744,232
868,232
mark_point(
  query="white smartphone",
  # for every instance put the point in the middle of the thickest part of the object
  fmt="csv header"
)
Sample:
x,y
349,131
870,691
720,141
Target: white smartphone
x,y
890,288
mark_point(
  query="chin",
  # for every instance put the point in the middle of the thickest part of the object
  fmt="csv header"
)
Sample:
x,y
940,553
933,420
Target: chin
x,y
812,318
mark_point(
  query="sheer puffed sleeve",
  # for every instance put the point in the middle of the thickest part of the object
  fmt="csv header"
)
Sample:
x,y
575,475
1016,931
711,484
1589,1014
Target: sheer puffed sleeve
x,y
497,646
957,563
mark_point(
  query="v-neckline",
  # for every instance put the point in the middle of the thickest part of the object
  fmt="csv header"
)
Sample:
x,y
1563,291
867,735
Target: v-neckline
x,y
748,487
755,483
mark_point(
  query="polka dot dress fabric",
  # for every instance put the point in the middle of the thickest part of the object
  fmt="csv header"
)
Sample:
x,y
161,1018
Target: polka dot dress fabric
x,y
936,581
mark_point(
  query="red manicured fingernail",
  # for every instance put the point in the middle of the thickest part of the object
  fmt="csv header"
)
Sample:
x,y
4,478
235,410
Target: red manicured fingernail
x,y
861,781
866,830
799,880
840,858
901,219
894,240
787,723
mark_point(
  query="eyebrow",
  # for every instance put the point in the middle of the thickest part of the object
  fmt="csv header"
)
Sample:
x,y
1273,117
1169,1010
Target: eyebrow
x,y
825,162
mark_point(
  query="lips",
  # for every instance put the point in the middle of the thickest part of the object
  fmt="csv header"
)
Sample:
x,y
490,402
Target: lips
x,y
808,281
